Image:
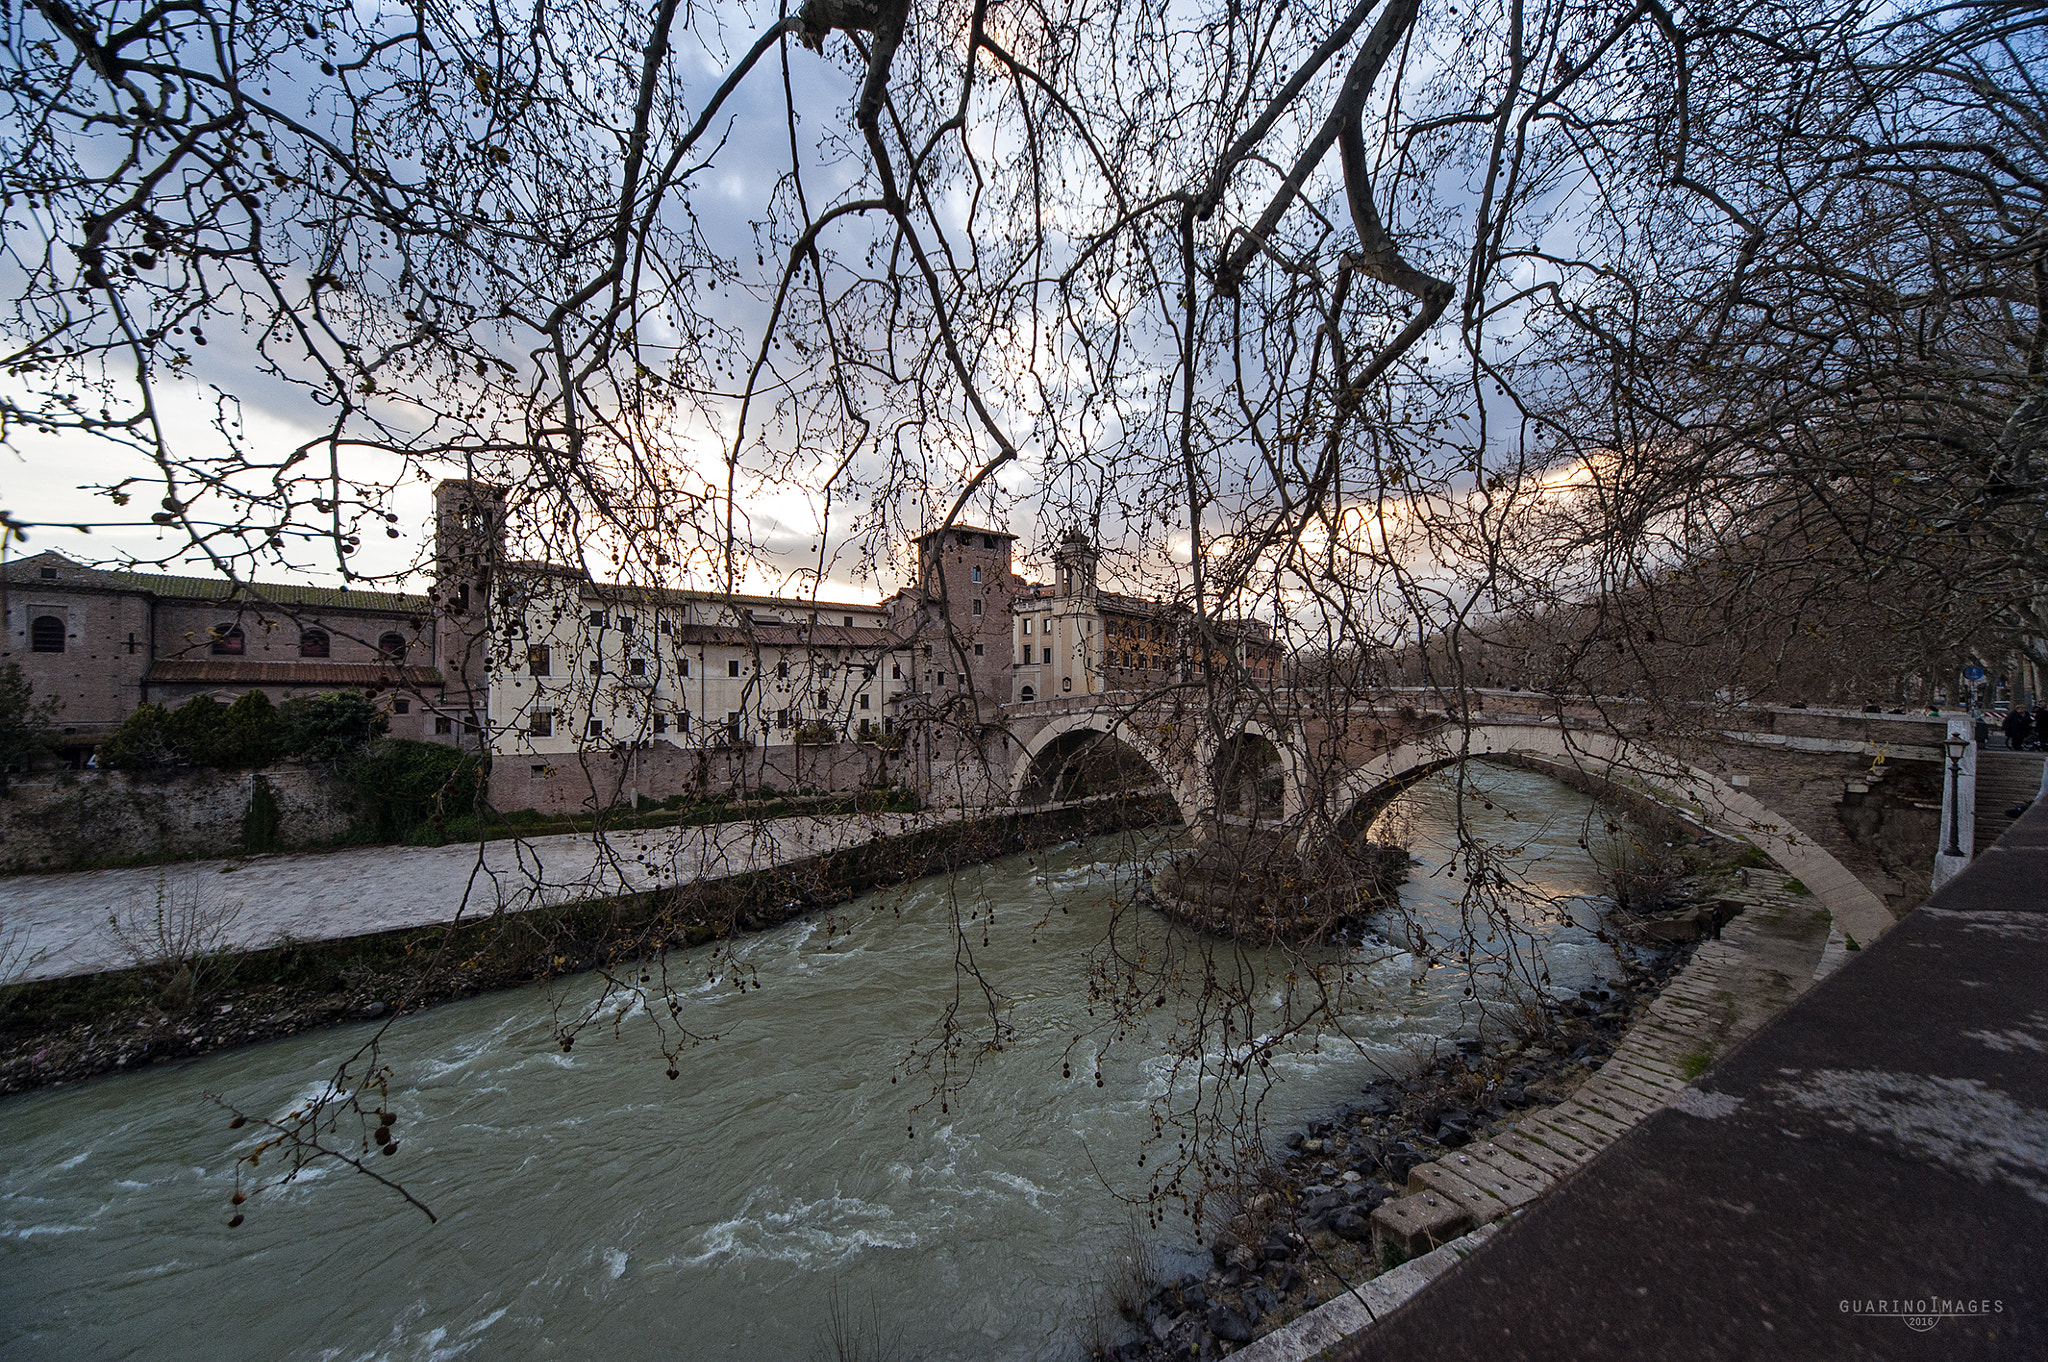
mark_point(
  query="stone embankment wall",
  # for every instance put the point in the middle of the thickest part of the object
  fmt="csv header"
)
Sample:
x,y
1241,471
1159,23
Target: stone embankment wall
x,y
78,818
956,776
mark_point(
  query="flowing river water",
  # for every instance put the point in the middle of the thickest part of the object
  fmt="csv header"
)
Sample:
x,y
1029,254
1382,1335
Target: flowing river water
x,y
590,1206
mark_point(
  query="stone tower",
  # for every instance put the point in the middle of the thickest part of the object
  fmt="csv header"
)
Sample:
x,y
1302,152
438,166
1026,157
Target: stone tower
x,y
1074,561
966,588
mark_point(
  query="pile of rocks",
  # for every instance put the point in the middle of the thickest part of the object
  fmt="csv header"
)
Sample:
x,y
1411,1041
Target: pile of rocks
x,y
1305,1234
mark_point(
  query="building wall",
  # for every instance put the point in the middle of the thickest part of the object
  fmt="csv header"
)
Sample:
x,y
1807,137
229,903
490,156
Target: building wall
x,y
593,778
79,817
98,676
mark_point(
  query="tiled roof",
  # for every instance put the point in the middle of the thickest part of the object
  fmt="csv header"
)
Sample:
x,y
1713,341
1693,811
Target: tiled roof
x,y
28,571
230,671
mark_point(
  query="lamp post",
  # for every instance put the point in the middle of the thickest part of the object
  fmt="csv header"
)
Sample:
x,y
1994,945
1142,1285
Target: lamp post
x,y
1956,745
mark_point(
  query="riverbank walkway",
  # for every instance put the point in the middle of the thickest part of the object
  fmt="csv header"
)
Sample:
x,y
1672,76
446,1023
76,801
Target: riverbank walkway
x,y
52,926
1865,1176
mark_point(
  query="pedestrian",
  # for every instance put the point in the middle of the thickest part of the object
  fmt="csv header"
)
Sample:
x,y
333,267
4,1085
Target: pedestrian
x,y
2017,725
1983,729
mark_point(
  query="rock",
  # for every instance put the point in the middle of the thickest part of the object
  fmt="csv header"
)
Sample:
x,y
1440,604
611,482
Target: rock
x,y
1242,1259
1353,1226
1327,1172
375,1010
1220,1247
1228,1325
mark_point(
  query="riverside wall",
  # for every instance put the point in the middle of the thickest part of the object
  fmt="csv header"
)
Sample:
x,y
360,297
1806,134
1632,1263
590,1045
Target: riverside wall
x,y
73,818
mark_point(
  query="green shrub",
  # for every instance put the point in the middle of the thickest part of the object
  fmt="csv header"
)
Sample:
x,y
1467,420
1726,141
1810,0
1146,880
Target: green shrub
x,y
142,740
331,729
407,790
25,732
249,734
193,730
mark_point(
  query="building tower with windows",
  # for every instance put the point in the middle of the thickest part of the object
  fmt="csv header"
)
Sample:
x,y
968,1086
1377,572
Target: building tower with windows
x,y
957,619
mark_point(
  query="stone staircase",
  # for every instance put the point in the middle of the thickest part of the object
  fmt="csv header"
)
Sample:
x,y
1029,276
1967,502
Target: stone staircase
x,y
1770,954
2005,780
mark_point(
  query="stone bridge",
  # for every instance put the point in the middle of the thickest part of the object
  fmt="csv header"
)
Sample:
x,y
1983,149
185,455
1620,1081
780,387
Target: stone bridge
x,y
1777,776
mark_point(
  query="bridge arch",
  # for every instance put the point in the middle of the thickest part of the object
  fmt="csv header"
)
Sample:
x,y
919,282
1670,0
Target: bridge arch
x,y
1070,739
1649,770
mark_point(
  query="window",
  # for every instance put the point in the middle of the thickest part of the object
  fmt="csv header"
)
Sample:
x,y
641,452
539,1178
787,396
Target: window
x,y
443,724
661,723
977,574
46,635
665,626
686,666
1027,626
849,621
390,648
227,640
782,671
732,725
732,667
824,699
782,718
636,666
895,671
47,574
626,625
1048,654
683,721
540,725
864,702
1027,695
596,667
594,729
313,643
597,619
977,607
538,660
888,725
1066,683
401,706
978,650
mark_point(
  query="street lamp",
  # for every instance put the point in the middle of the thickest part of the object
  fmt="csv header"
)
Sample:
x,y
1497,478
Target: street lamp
x,y
1956,745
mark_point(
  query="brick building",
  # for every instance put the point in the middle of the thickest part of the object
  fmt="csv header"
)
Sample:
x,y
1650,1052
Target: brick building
x,y
103,643
1073,638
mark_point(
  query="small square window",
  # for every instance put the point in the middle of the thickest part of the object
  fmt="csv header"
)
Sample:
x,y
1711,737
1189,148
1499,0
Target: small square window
x,y
849,621
636,666
401,706
732,667
538,661
782,671
782,718
596,667
864,700
626,624
594,729
444,724
541,725
977,607
683,721
978,650
47,574
597,619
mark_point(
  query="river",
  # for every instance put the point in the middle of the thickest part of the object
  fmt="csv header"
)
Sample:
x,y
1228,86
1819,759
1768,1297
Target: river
x,y
590,1206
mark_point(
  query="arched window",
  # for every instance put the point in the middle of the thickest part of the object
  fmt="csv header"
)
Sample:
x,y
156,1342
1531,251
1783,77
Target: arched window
x,y
227,640
1027,695
391,648
313,643
46,634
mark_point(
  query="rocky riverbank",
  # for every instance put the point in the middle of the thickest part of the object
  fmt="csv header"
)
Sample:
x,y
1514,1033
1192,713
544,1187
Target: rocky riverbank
x,y
1303,1235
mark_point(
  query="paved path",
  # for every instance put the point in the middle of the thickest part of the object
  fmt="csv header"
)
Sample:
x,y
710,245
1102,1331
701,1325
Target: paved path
x,y
56,925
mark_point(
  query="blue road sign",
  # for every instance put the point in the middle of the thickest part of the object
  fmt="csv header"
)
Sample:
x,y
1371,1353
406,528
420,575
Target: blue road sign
x,y
1973,674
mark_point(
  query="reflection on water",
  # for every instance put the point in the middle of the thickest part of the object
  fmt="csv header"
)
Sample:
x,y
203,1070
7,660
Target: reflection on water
x,y
588,1204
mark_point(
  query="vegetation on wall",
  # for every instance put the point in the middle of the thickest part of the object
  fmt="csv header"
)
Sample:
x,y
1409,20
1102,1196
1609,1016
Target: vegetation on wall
x,y
251,732
25,723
